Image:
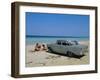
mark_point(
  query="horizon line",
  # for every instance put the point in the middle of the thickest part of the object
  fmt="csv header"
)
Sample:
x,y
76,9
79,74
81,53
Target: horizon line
x,y
57,36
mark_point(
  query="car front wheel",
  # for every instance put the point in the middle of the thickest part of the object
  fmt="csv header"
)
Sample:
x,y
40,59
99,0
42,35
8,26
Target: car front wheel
x,y
70,54
49,49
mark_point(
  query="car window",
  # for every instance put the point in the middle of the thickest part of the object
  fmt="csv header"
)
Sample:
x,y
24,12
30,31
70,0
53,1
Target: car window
x,y
66,43
75,42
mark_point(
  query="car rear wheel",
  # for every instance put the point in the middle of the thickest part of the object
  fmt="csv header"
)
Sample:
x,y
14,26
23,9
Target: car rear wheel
x,y
49,49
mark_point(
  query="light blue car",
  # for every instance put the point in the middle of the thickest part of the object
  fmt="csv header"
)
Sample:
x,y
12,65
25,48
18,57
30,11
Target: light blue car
x,y
68,48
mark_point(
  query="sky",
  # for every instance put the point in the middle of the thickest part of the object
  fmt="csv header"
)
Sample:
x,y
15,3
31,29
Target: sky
x,y
47,24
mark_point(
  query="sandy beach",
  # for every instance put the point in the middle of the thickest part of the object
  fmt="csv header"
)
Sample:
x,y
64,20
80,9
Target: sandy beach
x,y
44,58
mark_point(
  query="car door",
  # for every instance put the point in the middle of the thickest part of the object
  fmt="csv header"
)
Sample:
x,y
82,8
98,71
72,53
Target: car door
x,y
64,48
57,48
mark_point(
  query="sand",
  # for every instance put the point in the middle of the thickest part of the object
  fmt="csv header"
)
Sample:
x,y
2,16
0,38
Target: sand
x,y
44,58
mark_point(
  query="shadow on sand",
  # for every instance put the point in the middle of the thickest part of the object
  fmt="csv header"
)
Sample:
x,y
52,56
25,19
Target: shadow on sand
x,y
73,55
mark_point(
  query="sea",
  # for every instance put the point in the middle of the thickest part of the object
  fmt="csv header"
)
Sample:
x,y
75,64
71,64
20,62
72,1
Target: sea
x,y
47,39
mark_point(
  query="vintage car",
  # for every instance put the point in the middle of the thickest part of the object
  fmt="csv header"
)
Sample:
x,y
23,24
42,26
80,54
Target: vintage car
x,y
68,48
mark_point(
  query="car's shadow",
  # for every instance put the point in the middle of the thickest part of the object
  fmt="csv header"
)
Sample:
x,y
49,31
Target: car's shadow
x,y
73,56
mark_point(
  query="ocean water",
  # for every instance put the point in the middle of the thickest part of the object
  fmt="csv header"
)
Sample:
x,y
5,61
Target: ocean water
x,y
34,40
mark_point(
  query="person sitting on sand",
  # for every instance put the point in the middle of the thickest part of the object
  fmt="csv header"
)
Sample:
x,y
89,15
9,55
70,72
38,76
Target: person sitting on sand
x,y
44,47
37,47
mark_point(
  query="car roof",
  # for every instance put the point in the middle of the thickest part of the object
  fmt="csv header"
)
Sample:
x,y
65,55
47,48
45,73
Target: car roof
x,y
62,40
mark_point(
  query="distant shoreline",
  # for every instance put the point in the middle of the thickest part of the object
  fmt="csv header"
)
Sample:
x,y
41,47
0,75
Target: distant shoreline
x,y
37,36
